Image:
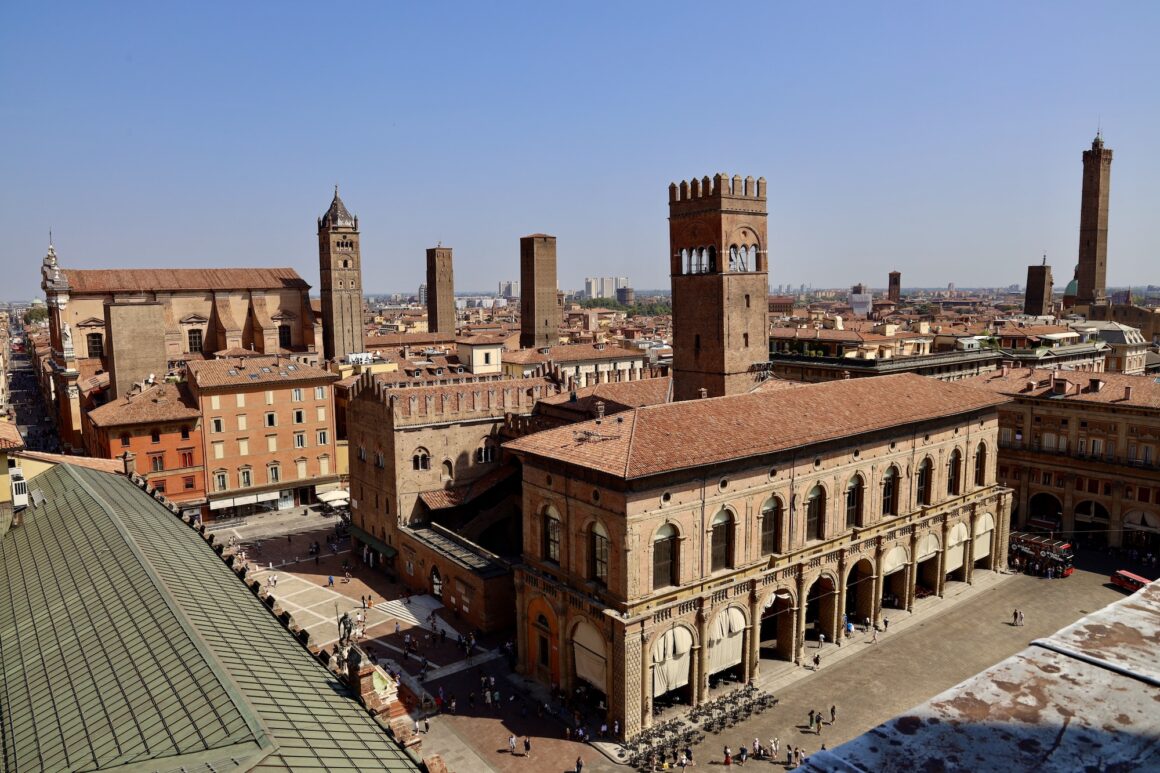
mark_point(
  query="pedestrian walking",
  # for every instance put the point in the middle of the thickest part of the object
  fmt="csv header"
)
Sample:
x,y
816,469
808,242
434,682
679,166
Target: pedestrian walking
x,y
1020,617
821,640
426,724
579,765
874,638
811,719
833,714
487,698
527,747
885,624
330,581
1015,617
817,661
512,745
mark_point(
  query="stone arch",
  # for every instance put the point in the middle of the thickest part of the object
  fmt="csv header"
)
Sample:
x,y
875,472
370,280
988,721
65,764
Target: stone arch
x,y
927,554
895,567
543,641
956,551
821,607
984,531
670,655
859,581
725,639
589,654
1044,511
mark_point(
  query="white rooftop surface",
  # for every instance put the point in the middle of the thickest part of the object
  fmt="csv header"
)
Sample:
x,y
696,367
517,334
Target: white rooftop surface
x,y
1086,698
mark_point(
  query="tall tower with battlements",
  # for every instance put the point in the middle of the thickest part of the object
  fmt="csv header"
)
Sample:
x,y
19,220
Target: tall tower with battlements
x,y
340,272
440,291
539,303
1093,225
720,278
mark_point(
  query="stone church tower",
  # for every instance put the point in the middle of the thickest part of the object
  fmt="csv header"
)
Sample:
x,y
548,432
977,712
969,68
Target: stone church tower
x,y
340,271
720,280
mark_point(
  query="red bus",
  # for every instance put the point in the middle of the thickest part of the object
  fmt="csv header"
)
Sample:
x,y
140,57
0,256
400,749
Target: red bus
x,y
1128,581
1040,553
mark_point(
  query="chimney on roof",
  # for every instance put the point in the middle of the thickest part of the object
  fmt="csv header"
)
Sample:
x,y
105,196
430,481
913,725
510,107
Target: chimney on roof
x,y
127,465
703,393
845,375
600,409
1006,369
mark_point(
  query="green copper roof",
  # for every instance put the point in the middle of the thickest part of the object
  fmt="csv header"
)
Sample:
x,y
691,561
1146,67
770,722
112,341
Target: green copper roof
x,y
125,640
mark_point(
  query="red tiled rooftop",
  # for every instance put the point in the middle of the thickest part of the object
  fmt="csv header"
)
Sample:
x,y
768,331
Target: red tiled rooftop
x,y
661,438
1145,389
181,279
10,436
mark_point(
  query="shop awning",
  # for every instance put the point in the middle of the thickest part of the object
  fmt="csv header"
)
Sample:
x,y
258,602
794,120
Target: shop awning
x,y
334,497
374,542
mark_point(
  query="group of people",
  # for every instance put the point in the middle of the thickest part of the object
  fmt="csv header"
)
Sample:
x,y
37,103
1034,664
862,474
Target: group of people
x,y
1017,617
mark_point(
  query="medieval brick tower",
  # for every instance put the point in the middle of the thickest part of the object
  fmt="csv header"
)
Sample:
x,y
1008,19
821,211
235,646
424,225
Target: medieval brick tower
x,y
340,272
539,303
1038,300
894,290
1093,225
720,279
440,291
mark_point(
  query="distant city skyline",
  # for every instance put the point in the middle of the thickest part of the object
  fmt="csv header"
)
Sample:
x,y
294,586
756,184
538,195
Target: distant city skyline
x,y
943,142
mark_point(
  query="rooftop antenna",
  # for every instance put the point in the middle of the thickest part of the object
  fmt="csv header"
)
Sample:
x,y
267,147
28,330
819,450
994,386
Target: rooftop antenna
x,y
1045,257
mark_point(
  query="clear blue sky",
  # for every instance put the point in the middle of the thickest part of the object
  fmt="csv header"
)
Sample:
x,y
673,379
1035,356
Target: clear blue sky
x,y
939,139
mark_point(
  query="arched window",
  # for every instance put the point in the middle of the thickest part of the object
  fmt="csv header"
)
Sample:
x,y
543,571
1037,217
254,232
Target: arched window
x,y
981,465
685,267
712,260
486,451
96,344
721,542
421,460
446,471
551,536
854,502
815,513
772,513
890,491
922,492
598,550
666,557
752,258
954,472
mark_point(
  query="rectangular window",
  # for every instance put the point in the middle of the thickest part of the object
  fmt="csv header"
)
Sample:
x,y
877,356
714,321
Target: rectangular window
x,y
285,336
241,422
324,465
487,358
194,340
219,450
220,481
275,473
159,486
269,397
271,419
600,551
157,462
272,443
1006,435
545,653
241,398
187,483
1047,479
1097,446
215,402
124,441
216,425
185,433
321,413
245,478
323,439
296,395
300,468
243,446
1081,446
299,416
300,440
319,393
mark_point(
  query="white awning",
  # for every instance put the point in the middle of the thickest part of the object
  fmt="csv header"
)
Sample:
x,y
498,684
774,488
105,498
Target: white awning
x,y
248,499
895,560
671,660
334,497
266,496
221,504
726,635
591,661
927,546
955,556
323,488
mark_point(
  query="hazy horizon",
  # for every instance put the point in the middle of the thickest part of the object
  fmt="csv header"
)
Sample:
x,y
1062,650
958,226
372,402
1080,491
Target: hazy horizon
x,y
941,141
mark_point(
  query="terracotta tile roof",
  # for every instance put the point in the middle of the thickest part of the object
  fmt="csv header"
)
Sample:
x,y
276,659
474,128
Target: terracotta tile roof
x,y
483,339
151,279
573,353
10,436
462,495
616,395
660,438
254,370
1145,389
412,339
100,465
525,357
158,403
814,334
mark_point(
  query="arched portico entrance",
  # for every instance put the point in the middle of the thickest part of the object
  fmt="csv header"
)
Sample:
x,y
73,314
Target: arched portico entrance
x,y
957,540
672,663
1142,531
1044,513
590,665
984,532
894,565
1092,522
543,657
725,646
926,559
777,618
821,604
860,592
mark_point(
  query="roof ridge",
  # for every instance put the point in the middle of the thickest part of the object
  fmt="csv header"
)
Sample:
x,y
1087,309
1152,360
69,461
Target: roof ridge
x,y
631,443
